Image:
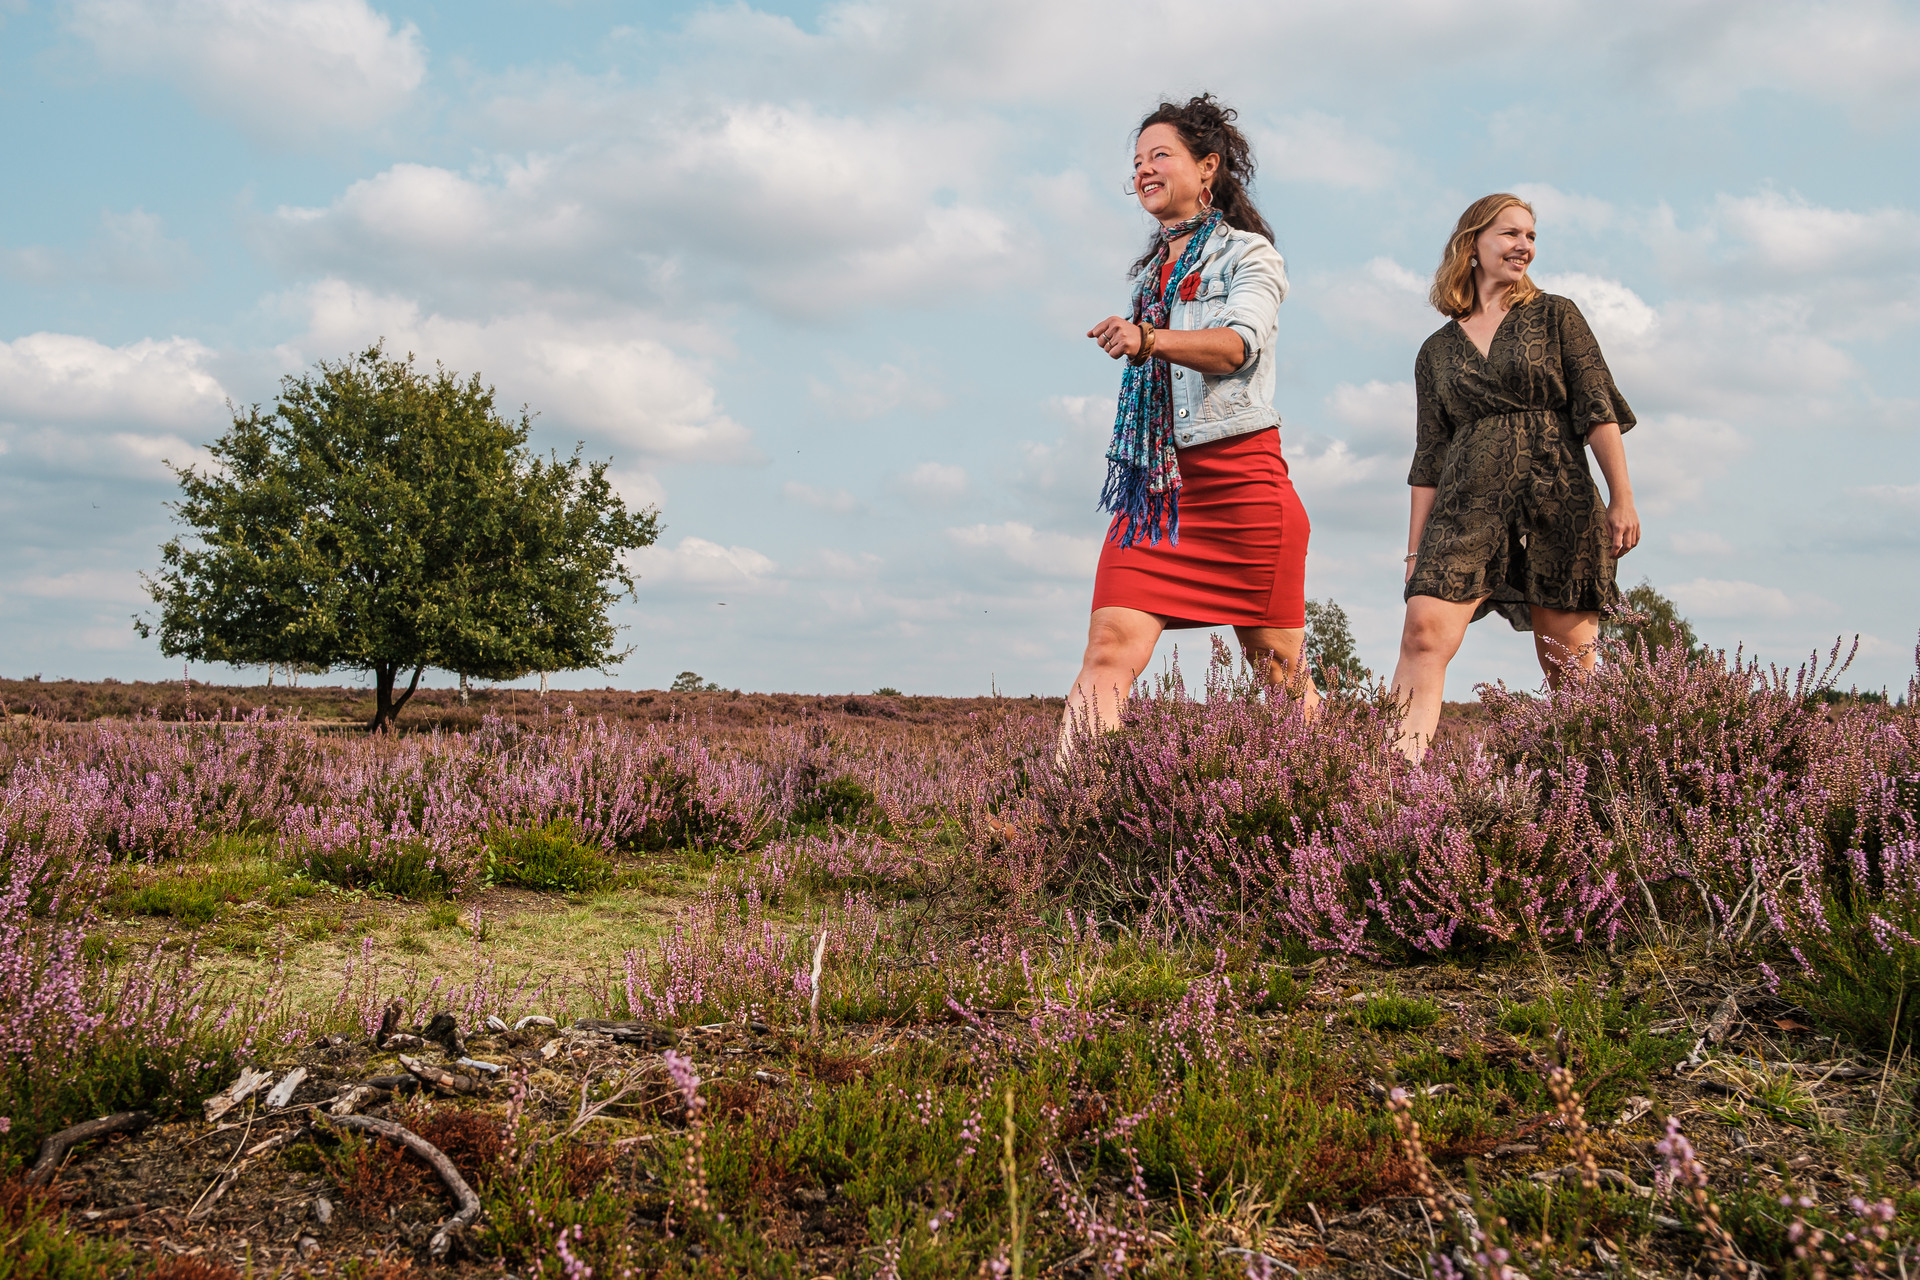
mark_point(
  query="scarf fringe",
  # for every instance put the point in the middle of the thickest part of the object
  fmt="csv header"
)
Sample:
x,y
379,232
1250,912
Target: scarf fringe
x,y
1129,494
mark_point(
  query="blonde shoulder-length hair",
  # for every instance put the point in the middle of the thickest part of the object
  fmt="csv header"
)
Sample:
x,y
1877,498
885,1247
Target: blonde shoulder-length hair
x,y
1452,293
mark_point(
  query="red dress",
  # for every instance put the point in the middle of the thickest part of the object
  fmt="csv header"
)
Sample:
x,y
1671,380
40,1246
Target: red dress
x,y
1242,557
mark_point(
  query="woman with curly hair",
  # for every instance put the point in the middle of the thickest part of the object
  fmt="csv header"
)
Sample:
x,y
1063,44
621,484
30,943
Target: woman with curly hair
x,y
1511,394
1206,528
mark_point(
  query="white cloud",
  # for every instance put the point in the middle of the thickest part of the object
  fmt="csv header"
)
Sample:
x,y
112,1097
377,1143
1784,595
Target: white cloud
x,y
1556,208
281,70
1865,54
115,586
638,489
1376,417
1617,314
1039,551
604,378
60,378
132,250
1310,147
1700,542
861,391
1787,237
806,212
1381,300
938,481
838,501
1673,457
698,562
1724,598
1900,497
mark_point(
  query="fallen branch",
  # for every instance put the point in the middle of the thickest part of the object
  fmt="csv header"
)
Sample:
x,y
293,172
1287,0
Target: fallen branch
x,y
438,1078
469,1210
283,1092
813,1006
55,1149
237,1092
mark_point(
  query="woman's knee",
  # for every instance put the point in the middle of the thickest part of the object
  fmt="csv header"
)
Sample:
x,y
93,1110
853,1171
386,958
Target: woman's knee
x,y
1116,644
1430,634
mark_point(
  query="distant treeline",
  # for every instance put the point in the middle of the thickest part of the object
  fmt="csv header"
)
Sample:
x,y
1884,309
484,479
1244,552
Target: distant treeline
x,y
173,700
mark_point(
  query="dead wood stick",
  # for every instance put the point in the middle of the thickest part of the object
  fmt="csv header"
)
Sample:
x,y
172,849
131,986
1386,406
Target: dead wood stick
x,y
55,1149
463,1195
443,1080
232,1175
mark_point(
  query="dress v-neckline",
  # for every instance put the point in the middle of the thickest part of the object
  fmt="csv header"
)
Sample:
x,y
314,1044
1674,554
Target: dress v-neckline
x,y
1486,357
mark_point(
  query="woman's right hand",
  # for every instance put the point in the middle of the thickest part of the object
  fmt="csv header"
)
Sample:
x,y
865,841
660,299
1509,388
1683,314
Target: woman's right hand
x,y
1117,337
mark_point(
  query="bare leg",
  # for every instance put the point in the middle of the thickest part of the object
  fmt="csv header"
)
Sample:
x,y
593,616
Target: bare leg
x,y
1279,650
1559,635
1119,646
1429,638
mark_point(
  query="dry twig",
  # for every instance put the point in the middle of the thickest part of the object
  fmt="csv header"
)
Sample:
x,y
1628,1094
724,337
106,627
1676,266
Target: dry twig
x,y
55,1149
468,1202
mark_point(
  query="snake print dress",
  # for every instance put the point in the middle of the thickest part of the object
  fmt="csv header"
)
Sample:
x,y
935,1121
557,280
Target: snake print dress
x,y
1518,521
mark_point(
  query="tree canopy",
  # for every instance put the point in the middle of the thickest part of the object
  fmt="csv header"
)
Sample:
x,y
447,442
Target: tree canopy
x,y
1329,650
383,519
1647,617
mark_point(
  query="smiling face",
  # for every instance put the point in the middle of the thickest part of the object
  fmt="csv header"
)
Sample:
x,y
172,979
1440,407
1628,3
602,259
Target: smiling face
x,y
1166,177
1504,250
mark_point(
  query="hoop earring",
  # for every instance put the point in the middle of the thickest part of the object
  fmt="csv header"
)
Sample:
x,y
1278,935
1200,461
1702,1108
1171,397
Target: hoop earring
x,y
1206,197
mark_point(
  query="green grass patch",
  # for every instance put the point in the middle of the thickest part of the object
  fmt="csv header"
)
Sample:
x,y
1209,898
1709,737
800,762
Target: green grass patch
x,y
1392,1014
197,894
402,869
546,857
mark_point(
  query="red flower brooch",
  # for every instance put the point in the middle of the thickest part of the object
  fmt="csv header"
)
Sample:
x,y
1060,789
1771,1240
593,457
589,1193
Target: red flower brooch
x,y
1189,287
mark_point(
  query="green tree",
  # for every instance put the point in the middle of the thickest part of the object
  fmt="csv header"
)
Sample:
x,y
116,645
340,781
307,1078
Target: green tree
x,y
1646,616
386,520
1329,644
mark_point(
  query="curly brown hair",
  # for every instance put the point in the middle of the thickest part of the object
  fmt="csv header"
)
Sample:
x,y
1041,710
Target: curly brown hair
x,y
1452,292
1207,128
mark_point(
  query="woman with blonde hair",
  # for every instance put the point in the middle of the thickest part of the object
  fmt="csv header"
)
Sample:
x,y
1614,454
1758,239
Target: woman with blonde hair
x,y
1512,392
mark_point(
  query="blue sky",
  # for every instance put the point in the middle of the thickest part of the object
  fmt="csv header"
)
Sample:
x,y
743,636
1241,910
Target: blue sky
x,y
814,277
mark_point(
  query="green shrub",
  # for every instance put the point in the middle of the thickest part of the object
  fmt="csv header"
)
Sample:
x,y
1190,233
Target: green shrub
x,y
548,857
1396,1013
841,799
405,869
37,1242
1535,1018
1860,986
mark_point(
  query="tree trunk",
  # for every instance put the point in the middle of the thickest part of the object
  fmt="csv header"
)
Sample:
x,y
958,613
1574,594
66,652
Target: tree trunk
x,y
382,698
385,706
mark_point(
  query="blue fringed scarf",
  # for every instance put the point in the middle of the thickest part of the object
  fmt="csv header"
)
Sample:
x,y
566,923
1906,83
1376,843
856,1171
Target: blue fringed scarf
x,y
1143,466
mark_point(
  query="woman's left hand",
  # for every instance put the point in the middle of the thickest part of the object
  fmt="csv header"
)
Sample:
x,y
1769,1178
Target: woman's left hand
x,y
1623,526
1117,337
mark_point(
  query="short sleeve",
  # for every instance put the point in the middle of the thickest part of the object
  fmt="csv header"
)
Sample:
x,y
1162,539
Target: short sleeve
x,y
1591,396
1433,428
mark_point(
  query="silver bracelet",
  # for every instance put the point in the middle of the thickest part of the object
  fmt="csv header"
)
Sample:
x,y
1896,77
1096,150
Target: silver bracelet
x,y
1411,555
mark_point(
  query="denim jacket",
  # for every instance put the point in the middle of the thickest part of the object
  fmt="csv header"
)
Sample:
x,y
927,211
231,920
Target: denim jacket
x,y
1243,280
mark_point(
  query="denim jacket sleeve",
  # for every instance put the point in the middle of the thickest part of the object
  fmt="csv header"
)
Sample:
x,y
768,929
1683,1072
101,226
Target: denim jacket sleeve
x,y
1256,288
